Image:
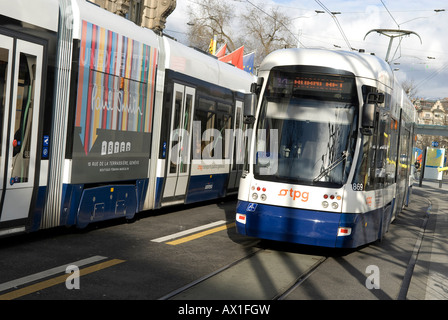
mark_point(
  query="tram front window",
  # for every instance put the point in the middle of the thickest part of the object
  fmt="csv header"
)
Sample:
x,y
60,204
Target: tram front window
x,y
307,129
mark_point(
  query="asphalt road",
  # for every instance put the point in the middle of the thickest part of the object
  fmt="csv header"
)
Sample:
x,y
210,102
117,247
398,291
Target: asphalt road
x,y
147,259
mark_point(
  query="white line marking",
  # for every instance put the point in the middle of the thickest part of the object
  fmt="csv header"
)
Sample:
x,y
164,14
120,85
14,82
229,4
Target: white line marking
x,y
47,273
189,231
12,230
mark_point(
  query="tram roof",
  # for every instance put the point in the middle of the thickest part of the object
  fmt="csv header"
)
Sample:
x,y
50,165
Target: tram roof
x,y
189,61
360,64
43,13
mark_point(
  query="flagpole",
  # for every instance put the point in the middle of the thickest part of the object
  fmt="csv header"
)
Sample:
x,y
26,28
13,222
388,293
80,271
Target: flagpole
x,y
214,44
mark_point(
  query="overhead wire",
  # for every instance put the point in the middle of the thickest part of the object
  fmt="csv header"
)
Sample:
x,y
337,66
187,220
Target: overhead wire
x,y
336,22
431,75
257,7
398,49
384,5
401,38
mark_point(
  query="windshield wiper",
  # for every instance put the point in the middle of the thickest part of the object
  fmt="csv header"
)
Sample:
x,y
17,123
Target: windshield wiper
x,y
332,166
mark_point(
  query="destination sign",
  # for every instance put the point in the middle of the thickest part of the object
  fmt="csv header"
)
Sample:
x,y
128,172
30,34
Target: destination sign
x,y
308,82
322,84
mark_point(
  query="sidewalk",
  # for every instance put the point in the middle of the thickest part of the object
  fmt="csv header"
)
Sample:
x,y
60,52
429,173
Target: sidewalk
x,y
430,277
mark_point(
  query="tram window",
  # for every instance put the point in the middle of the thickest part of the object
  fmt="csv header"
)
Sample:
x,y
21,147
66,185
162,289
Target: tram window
x,y
238,152
206,116
392,151
404,147
366,171
214,118
224,122
3,84
186,126
237,120
208,138
381,156
176,123
227,142
365,175
24,115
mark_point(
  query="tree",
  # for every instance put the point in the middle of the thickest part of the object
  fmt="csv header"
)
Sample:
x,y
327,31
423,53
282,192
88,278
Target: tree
x,y
410,88
210,18
258,28
267,31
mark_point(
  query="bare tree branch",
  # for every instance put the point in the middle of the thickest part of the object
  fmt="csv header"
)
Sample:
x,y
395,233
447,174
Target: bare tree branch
x,y
258,28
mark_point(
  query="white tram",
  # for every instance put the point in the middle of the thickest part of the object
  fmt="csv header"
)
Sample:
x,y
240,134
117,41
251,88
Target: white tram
x,y
329,163
100,118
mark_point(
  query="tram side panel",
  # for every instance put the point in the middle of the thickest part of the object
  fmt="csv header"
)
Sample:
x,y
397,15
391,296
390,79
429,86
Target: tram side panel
x,y
194,147
101,95
110,120
201,99
26,83
111,158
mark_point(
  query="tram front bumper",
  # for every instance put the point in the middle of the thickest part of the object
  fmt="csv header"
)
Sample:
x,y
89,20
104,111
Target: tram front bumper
x,y
318,228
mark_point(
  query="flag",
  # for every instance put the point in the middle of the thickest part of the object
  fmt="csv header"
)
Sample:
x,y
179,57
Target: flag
x,y
212,46
248,62
221,51
235,58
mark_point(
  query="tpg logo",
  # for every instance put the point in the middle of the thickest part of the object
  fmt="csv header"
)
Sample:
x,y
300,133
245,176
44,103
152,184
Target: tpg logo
x,y
294,194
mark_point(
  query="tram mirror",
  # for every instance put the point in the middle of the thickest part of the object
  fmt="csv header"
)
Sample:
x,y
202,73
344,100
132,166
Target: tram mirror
x,y
368,119
253,87
250,103
256,86
380,98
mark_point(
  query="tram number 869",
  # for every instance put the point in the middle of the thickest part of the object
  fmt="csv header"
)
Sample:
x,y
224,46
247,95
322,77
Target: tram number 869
x,y
358,187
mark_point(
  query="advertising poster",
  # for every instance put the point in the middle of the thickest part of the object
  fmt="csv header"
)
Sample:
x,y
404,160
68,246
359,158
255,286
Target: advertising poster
x,y
435,158
114,107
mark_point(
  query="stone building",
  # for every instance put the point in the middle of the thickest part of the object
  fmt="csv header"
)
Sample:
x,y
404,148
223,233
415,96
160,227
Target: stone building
x,y
150,14
432,112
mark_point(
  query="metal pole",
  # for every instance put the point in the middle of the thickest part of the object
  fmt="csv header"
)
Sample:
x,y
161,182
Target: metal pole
x,y
422,171
388,49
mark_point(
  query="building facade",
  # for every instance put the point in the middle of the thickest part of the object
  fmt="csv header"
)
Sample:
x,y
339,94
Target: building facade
x,y
150,14
432,112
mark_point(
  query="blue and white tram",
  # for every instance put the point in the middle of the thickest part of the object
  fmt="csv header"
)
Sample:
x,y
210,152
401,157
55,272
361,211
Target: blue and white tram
x,y
329,160
203,101
100,118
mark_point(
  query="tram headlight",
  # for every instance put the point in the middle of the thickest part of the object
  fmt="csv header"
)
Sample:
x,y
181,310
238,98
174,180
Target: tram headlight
x,y
325,204
334,205
263,197
254,196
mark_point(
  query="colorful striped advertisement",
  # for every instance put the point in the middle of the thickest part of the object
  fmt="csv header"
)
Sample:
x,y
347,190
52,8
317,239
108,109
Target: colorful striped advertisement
x,y
114,106
116,84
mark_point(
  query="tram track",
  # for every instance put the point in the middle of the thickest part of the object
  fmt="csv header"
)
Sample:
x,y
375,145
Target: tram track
x,y
206,277
300,280
263,274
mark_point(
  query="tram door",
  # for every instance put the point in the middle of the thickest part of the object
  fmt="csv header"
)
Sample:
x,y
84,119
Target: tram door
x,y
178,165
238,148
20,87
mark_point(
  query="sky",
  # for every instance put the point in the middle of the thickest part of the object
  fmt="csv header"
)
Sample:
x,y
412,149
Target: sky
x,y
424,63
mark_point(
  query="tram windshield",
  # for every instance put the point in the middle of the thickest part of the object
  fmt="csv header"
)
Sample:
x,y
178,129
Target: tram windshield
x,y
307,128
